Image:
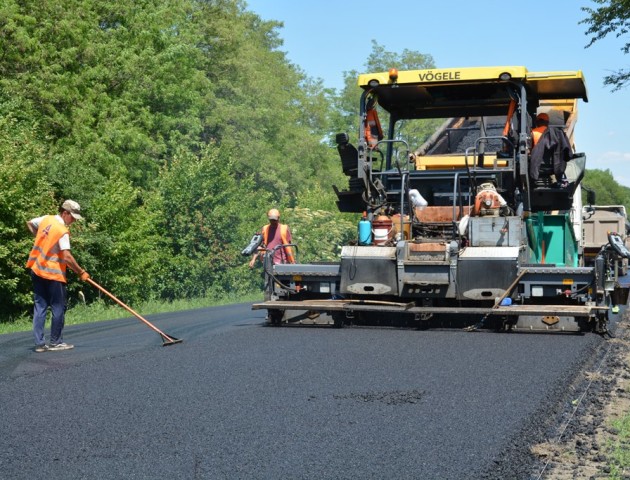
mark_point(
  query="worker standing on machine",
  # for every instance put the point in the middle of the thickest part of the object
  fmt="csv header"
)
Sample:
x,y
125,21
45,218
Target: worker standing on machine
x,y
273,235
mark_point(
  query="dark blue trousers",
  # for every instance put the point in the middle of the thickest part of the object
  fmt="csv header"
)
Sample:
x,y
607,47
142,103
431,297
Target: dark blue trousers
x,y
49,294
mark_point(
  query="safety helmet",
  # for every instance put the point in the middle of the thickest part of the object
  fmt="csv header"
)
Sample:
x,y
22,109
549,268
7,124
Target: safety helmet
x,y
273,214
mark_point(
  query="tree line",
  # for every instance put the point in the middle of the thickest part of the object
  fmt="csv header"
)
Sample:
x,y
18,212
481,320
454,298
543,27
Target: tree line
x,y
176,124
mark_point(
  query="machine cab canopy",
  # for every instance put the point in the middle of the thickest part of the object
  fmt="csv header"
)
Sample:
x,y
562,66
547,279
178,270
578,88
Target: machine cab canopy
x,y
456,92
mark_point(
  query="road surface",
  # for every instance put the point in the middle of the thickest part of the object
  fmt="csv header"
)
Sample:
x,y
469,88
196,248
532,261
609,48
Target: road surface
x,y
238,399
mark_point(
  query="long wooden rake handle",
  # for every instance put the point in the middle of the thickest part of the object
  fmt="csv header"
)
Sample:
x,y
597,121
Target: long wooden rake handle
x,y
167,339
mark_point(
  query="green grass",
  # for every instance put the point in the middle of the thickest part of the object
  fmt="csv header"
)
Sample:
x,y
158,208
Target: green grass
x,y
619,449
108,310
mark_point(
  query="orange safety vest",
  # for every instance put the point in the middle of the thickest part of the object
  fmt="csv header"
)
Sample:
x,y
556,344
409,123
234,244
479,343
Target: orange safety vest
x,y
284,229
373,130
44,259
537,133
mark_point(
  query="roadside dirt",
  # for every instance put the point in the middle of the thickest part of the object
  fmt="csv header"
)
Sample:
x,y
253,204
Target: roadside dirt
x,y
582,447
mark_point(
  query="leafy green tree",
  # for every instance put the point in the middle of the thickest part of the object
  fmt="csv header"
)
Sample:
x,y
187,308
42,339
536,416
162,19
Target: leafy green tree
x,y
319,234
345,117
265,111
319,229
26,194
207,222
607,190
118,242
175,124
612,16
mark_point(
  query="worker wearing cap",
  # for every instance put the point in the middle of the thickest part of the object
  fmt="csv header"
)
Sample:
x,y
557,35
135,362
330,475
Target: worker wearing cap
x,y
275,234
542,122
48,261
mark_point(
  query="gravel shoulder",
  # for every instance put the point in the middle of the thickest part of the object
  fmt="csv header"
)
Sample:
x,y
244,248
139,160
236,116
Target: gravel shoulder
x,y
581,447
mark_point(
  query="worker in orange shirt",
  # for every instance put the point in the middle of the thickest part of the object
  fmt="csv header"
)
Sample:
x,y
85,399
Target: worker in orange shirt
x,y
274,234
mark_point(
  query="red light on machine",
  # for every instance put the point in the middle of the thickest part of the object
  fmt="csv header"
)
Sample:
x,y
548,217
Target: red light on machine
x,y
393,74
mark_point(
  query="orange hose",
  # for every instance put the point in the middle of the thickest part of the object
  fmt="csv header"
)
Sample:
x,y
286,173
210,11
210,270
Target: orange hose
x,y
511,110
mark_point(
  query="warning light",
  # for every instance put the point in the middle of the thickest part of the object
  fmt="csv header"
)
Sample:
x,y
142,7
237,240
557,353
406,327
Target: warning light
x,y
393,74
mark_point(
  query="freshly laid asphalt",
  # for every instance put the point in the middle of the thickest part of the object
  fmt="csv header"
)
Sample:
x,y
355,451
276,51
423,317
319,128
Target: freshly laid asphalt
x,y
238,399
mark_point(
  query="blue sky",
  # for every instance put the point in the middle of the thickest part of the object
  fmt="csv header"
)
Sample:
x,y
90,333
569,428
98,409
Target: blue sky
x,y
326,38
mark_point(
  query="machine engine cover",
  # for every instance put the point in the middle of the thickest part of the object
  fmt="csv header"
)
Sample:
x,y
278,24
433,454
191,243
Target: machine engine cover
x,y
368,270
499,266
495,231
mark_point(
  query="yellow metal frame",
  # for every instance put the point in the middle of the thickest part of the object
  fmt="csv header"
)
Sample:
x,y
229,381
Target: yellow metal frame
x,y
448,162
552,85
443,75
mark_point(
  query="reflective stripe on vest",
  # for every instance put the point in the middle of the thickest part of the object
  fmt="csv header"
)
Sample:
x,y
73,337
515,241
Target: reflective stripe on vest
x,y
288,251
44,259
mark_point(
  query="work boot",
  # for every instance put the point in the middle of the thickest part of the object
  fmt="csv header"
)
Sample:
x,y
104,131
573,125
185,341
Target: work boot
x,y
60,346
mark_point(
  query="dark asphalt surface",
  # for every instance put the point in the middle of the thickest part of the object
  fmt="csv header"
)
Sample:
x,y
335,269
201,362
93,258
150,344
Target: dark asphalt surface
x,y
240,400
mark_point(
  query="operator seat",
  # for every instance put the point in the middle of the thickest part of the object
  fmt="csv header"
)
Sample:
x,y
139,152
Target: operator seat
x,y
348,153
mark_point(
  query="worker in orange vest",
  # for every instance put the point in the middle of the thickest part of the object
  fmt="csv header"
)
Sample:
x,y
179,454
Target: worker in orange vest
x,y
373,130
542,123
273,235
48,261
